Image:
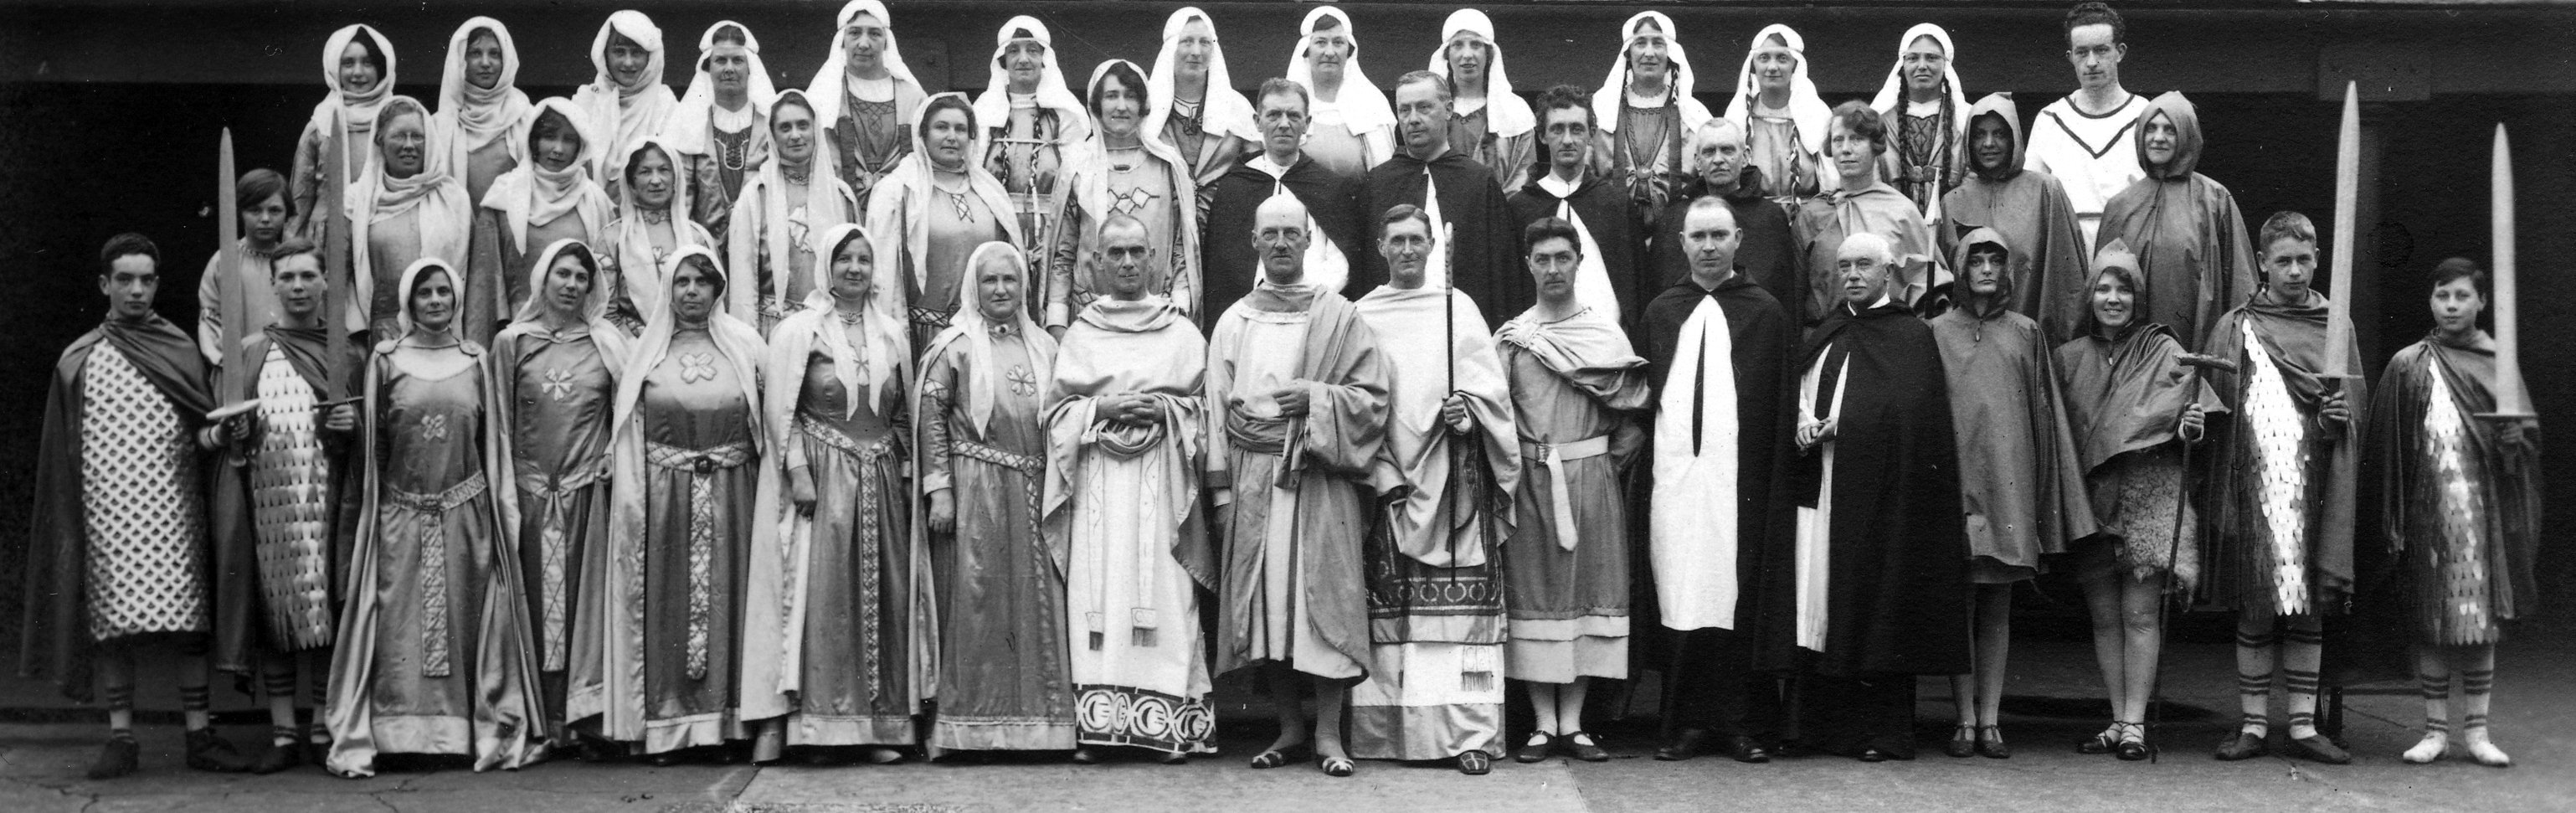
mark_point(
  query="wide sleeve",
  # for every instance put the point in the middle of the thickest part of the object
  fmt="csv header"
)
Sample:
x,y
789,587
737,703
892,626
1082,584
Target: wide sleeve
x,y
1064,260
935,410
1516,154
1222,346
2062,280
1346,415
743,255
304,185
788,346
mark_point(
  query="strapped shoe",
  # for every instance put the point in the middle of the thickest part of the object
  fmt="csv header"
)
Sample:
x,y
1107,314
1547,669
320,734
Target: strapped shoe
x,y
2241,745
208,751
2317,748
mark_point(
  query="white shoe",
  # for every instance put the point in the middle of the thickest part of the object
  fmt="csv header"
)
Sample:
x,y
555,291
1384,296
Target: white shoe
x,y
2432,747
2485,752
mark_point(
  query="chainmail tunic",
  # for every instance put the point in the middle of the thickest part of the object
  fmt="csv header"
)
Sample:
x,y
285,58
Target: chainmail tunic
x,y
291,506
2452,587
142,510
2279,553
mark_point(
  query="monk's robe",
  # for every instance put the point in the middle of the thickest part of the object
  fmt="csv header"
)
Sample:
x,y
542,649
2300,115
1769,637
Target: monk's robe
x,y
1480,251
1228,263
1767,252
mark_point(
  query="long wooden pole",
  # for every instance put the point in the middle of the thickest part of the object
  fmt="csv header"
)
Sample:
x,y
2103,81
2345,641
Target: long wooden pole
x,y
2512,402
336,280
2347,204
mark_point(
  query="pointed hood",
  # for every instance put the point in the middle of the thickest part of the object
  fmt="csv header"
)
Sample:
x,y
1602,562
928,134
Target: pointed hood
x,y
1999,105
2187,140
1964,297
2115,256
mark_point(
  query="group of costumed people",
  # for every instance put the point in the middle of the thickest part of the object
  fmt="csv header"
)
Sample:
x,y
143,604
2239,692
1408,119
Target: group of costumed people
x,y
857,423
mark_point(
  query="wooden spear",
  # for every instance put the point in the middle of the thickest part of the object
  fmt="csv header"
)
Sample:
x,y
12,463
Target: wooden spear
x,y
2512,402
2347,200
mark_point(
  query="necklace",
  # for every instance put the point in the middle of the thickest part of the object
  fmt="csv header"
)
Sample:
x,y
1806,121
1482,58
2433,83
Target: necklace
x,y
849,317
796,174
654,216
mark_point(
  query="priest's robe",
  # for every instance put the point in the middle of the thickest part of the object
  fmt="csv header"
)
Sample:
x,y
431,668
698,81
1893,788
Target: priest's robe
x,y
1482,249
1613,276
1228,265
1292,590
1767,251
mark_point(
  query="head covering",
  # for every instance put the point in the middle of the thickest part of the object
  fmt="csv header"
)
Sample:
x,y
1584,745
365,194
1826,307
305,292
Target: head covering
x,y
829,85
738,342
2187,142
687,129
887,351
530,193
1806,108
894,215
1999,105
827,200
2115,254
445,215
633,239
623,113
969,326
411,278
1964,294
1362,105
1891,95
594,305
1614,90
1089,168
344,112
1222,110
1506,113
471,116
993,108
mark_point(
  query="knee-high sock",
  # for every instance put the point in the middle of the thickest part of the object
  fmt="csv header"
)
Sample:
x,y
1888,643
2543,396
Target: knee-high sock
x,y
116,674
2255,647
277,682
2433,679
2303,647
2477,687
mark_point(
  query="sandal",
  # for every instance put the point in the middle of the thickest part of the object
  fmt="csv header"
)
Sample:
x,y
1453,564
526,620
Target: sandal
x,y
1541,745
1280,757
1475,763
1336,766
1990,743
2133,742
1963,741
2103,742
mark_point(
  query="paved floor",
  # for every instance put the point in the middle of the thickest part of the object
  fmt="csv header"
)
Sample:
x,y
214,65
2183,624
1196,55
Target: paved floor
x,y
41,763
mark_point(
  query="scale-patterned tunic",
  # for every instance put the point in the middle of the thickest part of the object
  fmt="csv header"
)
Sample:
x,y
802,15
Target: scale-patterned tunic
x,y
292,506
145,514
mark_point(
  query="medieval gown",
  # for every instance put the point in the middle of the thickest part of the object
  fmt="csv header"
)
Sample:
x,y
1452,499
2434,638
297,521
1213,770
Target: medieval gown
x,y
867,126
1575,391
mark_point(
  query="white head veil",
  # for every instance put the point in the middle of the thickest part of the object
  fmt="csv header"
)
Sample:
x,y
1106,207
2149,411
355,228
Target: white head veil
x,y
969,326
687,130
632,241
623,113
1362,104
993,108
1506,113
1223,111
1614,90
829,85
1806,108
888,347
1891,96
473,117
344,113
411,276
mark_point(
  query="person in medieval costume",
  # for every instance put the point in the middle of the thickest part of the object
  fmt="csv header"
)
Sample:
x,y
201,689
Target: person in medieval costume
x,y
1766,241
674,599
1003,685
2021,485
358,67
1297,397
626,101
259,200
404,207
1194,107
866,97
719,134
548,198
556,367
638,250
1033,127
2077,139
482,114
1717,347
117,553
787,203
2029,211
2283,492
858,582
2463,513
1785,122
1118,171
1871,586
1646,113
1487,121
1350,127
1609,237
1126,451
1230,264
2187,232
1577,391
1864,204
1926,105
1446,475
2134,400
934,209
282,530
1474,233
435,654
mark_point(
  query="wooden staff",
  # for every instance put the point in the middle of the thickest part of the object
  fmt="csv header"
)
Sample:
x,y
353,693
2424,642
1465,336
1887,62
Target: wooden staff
x,y
336,279
2512,402
234,302
2347,194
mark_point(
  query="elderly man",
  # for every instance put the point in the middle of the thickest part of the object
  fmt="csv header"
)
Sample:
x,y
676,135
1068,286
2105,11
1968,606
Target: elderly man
x,y
1875,566
1231,267
1716,345
1473,224
1297,395
1609,276
1766,243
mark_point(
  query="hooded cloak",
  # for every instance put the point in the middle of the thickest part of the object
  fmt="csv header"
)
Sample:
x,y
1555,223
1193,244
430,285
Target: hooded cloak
x,y
2190,237
2028,210
2021,482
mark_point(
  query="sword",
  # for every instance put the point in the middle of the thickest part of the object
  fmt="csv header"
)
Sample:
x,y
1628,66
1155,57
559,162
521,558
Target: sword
x,y
232,302
2347,192
2512,401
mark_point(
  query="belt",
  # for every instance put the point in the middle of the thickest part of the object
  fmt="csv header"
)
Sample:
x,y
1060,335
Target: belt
x,y
1030,487
554,551
832,436
1554,456
434,657
702,465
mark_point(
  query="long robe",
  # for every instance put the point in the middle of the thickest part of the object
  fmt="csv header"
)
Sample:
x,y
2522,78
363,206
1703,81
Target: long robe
x,y
1293,591
282,528
1614,276
1874,580
2125,396
1482,247
1003,682
1718,427
2284,492
2460,517
557,388
2021,489
1574,383
1126,501
1230,267
1766,250
2190,238
2051,264
1434,557
700,493
1823,223
1147,183
58,642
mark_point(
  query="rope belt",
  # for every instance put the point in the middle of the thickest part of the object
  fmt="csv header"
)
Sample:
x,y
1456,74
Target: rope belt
x,y
554,545
702,465
434,660
1554,456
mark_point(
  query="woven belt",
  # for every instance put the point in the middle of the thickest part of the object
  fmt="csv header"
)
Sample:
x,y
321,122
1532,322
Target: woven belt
x,y
832,436
1034,467
702,464
434,660
554,552
932,318
1554,456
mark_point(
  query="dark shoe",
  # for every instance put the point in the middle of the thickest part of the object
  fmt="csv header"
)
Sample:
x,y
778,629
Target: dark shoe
x,y
120,757
2103,742
2133,743
1475,763
278,758
1280,757
1541,745
1586,751
1336,766
1746,749
666,759
207,751
2241,745
2316,748
1963,742
1689,743
1990,743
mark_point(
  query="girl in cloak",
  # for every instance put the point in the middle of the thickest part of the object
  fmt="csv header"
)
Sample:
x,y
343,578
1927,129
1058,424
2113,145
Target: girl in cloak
x,y
434,653
2189,236
1865,204
550,197
2049,277
556,368
405,207
627,100
866,97
358,67
639,247
1646,110
1784,120
1350,127
1486,119
784,206
720,130
934,209
482,114
839,415
1195,108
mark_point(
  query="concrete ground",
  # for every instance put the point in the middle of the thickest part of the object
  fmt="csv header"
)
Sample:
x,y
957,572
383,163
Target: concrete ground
x,y
41,760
